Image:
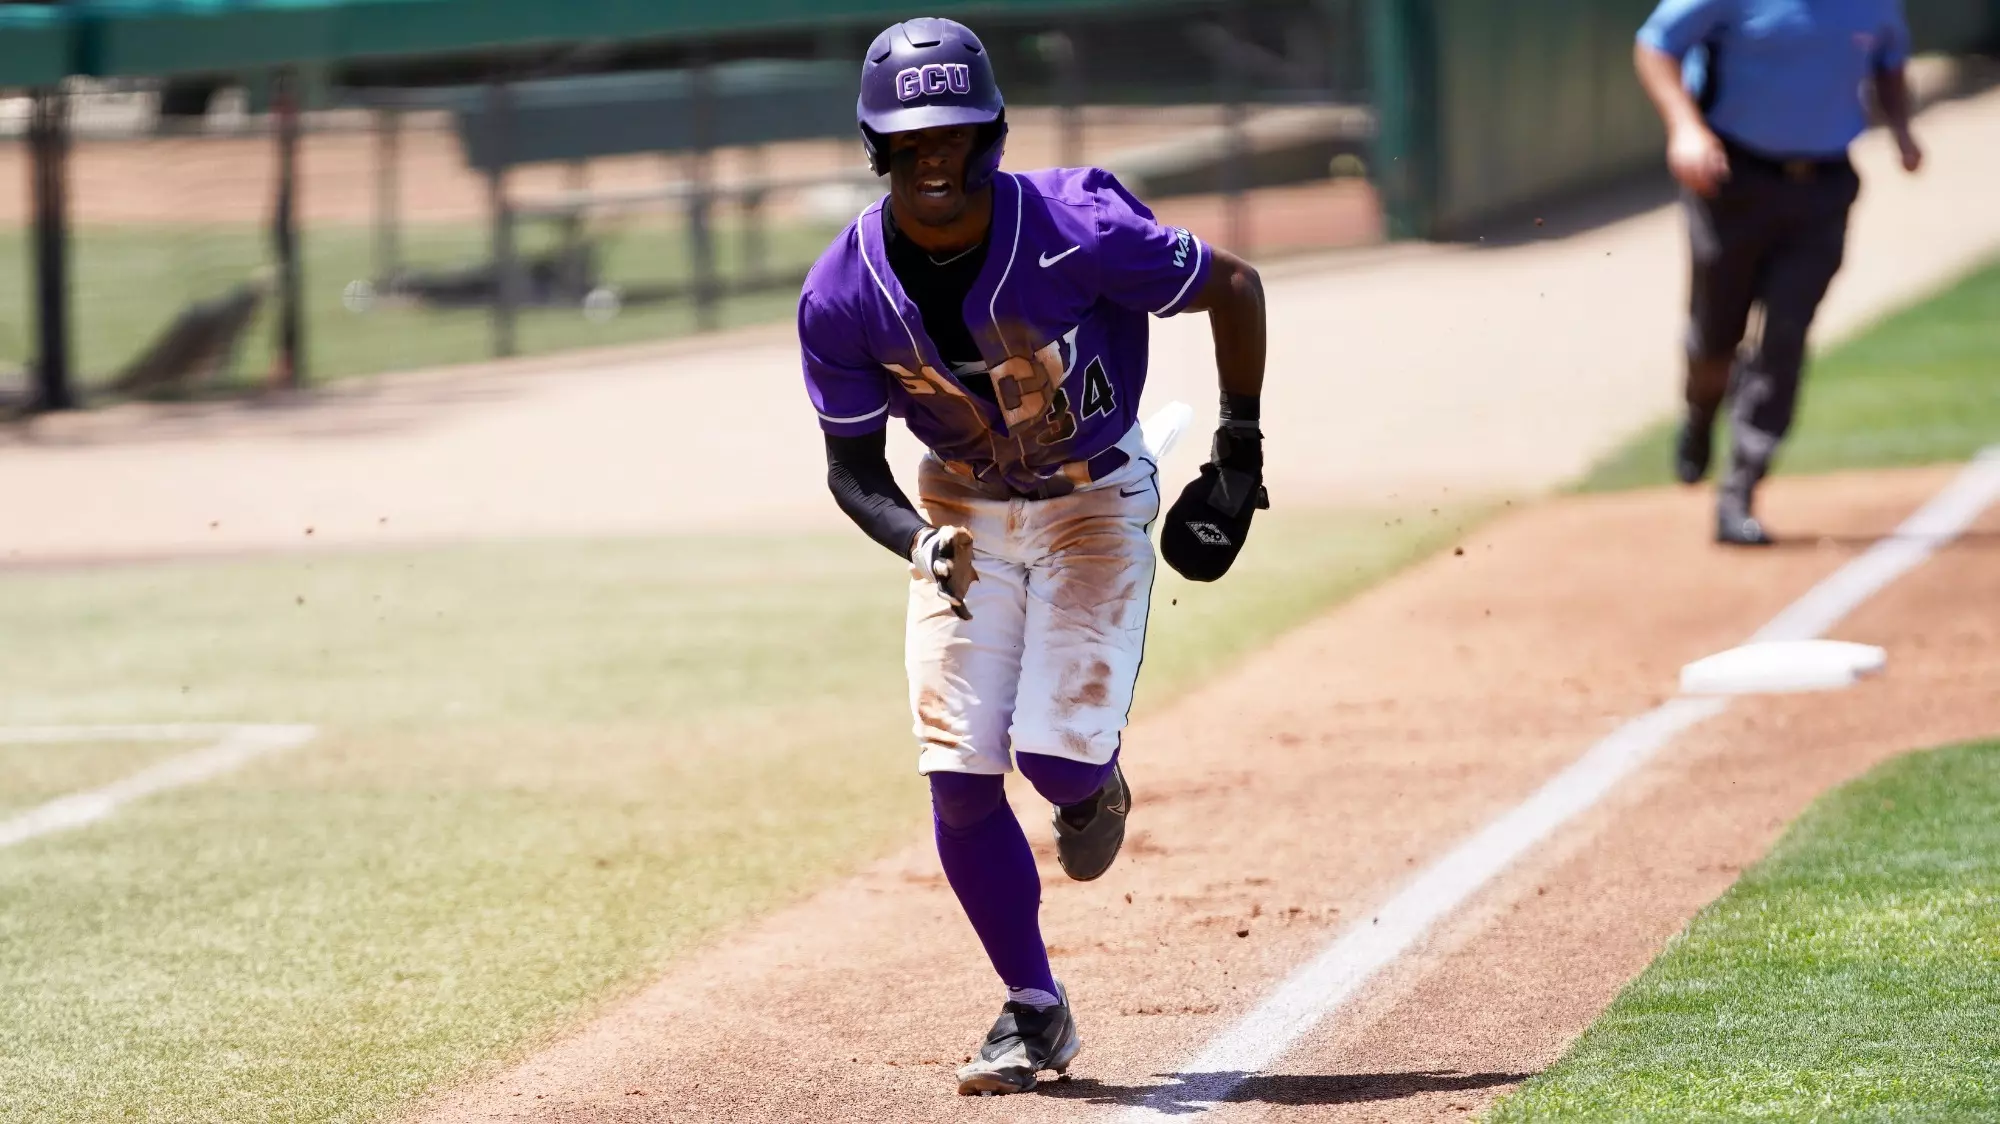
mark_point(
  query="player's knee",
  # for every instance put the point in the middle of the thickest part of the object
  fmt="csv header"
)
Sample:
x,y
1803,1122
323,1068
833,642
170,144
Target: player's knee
x,y
1060,780
965,800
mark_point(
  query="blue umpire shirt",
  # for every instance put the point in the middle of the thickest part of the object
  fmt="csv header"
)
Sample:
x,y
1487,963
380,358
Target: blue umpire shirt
x,y
1782,77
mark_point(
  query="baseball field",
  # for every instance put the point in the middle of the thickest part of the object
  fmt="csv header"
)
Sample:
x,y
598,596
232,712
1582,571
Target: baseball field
x,y
414,750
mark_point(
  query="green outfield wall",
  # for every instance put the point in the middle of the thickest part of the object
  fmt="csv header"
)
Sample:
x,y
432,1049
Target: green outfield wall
x,y
34,46
122,38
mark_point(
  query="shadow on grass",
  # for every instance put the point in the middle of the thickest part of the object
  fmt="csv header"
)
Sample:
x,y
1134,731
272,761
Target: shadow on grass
x,y
1185,1093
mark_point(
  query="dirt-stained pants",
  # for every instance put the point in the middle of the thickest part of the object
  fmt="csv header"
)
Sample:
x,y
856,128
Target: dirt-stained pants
x,y
1048,662
1772,237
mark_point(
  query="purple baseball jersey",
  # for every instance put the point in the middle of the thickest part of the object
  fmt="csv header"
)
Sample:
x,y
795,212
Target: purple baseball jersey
x,y
1074,265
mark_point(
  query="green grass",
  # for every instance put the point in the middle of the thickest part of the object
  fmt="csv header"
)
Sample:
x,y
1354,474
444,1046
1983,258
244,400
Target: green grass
x,y
545,770
1921,387
31,774
1848,976
129,282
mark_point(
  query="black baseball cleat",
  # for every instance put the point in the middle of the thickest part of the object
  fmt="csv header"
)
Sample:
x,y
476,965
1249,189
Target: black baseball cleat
x,y
1023,1043
1739,528
1088,834
1693,447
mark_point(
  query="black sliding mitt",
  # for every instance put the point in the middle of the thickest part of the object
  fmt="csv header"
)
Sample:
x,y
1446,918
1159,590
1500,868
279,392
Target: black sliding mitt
x,y
1207,525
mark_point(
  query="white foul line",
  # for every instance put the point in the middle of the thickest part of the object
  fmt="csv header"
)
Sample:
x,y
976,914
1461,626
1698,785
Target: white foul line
x,y
238,744
169,732
1313,991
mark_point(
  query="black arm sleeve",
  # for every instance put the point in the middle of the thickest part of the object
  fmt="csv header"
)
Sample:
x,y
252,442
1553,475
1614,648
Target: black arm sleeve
x,y
857,470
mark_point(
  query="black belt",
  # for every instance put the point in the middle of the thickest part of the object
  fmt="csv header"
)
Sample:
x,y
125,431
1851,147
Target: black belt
x,y
1096,468
1057,483
1798,169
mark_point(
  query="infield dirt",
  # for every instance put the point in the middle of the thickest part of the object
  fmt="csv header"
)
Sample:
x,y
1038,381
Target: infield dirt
x,y
1276,806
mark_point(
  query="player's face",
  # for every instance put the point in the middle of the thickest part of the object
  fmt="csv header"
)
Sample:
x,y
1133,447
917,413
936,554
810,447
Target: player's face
x,y
927,172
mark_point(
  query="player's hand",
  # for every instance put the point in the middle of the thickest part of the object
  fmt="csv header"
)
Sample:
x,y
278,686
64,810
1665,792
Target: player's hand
x,y
944,555
1910,150
1696,158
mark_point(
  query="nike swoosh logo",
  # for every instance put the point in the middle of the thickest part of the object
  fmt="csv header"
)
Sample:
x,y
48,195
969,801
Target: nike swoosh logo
x,y
1048,261
1133,492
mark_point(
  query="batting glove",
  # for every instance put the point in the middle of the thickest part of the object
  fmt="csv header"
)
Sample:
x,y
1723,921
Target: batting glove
x,y
944,555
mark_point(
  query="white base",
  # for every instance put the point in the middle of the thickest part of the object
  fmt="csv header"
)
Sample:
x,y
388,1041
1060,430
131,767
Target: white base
x,y
1783,667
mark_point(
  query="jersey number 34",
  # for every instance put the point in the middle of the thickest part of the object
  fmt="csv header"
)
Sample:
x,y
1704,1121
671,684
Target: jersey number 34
x,y
1098,398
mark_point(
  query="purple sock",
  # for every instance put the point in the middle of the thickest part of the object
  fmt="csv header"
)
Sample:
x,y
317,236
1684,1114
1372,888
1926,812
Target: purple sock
x,y
987,861
1062,781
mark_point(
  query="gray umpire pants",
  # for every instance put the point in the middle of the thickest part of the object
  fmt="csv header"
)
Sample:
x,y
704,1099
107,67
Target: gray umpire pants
x,y
1772,238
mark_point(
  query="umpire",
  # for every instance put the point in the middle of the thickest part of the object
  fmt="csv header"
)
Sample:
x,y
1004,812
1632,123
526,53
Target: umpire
x,y
1758,126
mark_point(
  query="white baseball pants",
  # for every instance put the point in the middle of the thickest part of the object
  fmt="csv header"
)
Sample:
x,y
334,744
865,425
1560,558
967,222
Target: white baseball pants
x,y
1048,662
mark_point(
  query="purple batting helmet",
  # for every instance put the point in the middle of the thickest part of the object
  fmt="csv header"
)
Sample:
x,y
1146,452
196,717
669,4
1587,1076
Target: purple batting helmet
x,y
928,74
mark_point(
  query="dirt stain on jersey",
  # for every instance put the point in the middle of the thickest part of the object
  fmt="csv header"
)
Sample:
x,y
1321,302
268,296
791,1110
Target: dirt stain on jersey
x,y
1032,449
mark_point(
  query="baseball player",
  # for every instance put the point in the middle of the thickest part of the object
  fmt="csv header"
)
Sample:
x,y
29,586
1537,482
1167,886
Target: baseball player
x,y
1003,318
1758,135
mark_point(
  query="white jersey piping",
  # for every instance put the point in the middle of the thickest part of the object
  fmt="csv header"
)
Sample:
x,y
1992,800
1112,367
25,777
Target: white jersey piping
x,y
1192,274
869,416
993,305
887,296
